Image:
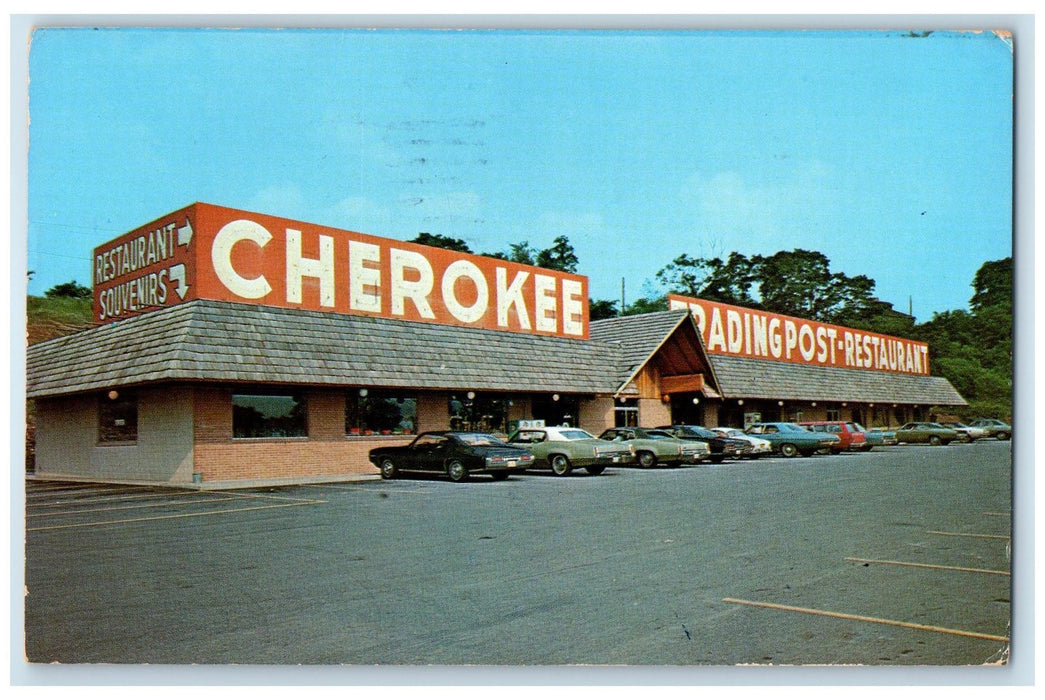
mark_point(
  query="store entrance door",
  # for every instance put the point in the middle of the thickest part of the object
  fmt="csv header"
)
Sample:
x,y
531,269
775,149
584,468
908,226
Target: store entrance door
x,y
687,409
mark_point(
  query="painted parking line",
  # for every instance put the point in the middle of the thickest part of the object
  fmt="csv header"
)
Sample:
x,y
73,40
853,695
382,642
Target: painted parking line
x,y
136,506
929,566
968,534
865,618
177,515
141,496
77,491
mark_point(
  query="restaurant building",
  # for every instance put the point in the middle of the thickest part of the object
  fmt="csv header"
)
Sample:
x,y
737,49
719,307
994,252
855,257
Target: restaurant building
x,y
239,348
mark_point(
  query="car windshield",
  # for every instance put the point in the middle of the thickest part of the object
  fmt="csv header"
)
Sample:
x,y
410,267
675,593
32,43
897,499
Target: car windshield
x,y
480,440
575,435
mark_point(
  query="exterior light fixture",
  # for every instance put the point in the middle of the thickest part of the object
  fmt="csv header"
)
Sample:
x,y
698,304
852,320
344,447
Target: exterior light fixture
x,y
555,397
814,404
665,398
363,392
696,400
740,402
779,403
844,404
113,395
471,395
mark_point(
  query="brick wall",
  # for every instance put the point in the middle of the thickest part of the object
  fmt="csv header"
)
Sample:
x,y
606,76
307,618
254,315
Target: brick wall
x,y
596,415
326,452
654,412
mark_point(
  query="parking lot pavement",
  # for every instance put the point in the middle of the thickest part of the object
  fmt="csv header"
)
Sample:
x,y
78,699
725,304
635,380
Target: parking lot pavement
x,y
893,557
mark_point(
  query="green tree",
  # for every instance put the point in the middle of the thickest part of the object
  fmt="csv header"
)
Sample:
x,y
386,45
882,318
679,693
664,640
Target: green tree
x,y
992,285
973,349
599,309
70,289
728,281
522,253
800,283
437,240
646,305
560,256
797,283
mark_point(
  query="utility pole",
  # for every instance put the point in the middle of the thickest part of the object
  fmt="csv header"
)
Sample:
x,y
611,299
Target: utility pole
x,y
621,297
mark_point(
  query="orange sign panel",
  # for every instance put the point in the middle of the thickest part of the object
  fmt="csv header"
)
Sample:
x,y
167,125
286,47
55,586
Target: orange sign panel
x,y
735,330
210,252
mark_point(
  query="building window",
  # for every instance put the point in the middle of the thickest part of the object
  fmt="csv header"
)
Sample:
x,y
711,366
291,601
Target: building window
x,y
481,413
626,416
555,409
269,415
117,418
379,413
834,414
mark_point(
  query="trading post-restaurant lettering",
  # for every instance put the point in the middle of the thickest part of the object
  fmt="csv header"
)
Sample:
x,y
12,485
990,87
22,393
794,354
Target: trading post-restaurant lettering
x,y
735,330
210,252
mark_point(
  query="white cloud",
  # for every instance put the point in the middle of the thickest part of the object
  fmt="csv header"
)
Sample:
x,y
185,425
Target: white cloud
x,y
281,200
358,214
737,213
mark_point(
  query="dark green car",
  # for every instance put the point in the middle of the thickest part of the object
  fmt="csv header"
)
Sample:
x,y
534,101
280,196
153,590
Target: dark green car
x,y
927,433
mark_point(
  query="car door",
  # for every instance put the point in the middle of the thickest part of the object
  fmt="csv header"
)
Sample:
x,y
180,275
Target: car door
x,y
430,455
534,441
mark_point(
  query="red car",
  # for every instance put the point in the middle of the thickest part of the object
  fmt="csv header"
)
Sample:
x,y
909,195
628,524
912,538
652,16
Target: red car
x,y
850,437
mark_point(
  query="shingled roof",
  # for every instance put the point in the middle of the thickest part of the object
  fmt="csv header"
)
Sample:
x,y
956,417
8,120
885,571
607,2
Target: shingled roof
x,y
220,341
768,379
226,342
638,337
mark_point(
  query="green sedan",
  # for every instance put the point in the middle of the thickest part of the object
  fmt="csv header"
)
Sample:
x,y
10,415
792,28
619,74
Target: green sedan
x,y
562,448
930,433
653,446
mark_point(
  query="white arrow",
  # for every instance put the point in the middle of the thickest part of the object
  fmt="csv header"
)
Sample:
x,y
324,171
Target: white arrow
x,y
177,275
185,233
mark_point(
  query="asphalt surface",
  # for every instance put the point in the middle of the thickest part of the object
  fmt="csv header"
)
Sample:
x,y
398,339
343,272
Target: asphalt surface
x,y
671,567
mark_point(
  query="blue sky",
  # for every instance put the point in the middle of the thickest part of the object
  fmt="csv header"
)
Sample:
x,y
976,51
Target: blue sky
x,y
889,153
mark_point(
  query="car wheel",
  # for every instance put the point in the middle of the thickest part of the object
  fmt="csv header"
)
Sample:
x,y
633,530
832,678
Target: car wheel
x,y
388,469
646,459
499,475
561,465
457,471
935,441
1003,436
788,450
595,469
